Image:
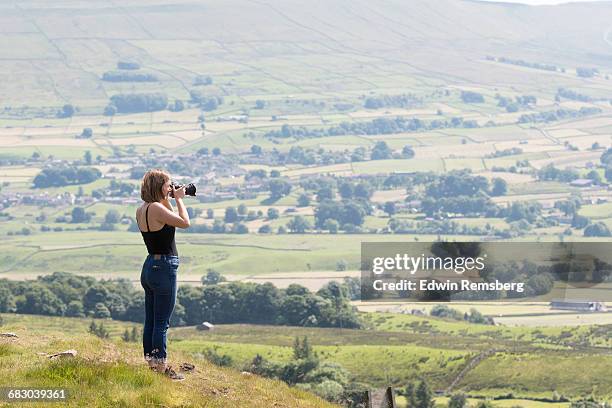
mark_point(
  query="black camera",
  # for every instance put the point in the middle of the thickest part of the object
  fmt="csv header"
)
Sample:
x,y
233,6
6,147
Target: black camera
x,y
190,189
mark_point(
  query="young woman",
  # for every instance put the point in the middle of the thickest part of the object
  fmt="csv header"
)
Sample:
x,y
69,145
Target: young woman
x,y
157,221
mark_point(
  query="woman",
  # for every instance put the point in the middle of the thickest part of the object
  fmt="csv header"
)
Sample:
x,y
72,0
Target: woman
x,y
157,221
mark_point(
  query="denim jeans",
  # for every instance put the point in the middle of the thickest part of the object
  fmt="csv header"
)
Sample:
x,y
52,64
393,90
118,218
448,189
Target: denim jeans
x,y
158,278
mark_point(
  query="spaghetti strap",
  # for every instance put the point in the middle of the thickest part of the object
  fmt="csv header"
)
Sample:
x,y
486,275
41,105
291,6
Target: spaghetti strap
x,y
147,217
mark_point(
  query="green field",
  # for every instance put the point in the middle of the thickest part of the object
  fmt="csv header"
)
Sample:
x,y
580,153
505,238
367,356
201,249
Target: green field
x,y
525,364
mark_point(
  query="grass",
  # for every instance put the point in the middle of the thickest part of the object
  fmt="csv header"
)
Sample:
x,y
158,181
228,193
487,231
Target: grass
x,y
541,374
394,350
502,403
111,373
120,253
373,364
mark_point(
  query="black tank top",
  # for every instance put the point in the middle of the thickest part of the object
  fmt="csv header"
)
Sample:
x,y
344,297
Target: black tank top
x,y
159,242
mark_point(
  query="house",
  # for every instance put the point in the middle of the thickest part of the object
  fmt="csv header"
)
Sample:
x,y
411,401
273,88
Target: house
x,y
206,326
578,305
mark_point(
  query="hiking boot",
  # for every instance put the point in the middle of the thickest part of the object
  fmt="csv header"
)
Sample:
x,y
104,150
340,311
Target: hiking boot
x,y
173,375
152,364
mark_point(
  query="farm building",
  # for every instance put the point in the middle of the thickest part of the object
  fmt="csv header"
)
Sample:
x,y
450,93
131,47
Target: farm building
x,y
206,326
581,183
579,305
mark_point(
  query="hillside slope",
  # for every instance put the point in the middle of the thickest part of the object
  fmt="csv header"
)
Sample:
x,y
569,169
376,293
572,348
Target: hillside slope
x,y
59,54
112,373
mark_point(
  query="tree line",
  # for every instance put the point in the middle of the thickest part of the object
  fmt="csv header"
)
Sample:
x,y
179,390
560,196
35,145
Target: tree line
x,y
65,294
378,126
65,176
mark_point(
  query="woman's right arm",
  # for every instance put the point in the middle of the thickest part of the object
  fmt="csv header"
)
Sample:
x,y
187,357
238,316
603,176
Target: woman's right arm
x,y
165,215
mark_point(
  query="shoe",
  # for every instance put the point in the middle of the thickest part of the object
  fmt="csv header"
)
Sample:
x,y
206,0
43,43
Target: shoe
x,y
153,363
173,375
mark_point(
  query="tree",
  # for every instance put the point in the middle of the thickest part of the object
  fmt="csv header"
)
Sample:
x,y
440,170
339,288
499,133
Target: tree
x,y
6,300
265,229
110,110
298,225
126,335
79,215
381,151
112,217
38,299
279,188
389,208
212,277
303,349
325,193
594,176
231,215
471,97
272,213
66,175
94,295
303,200
75,309
353,213
410,394
331,225
606,157
145,102
539,284
242,209
423,395
599,229
202,80
580,221
240,228
363,190
457,400
408,152
210,213
500,187
67,111
86,133
609,173
346,190
256,150
99,330
178,106
101,311
216,151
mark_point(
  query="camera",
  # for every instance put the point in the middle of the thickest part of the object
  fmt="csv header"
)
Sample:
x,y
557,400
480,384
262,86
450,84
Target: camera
x,y
190,189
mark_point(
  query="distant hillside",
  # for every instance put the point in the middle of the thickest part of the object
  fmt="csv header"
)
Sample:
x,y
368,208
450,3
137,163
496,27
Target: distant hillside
x,y
52,55
112,373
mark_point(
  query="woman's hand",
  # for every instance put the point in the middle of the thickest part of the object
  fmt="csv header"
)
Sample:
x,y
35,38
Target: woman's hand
x,y
179,192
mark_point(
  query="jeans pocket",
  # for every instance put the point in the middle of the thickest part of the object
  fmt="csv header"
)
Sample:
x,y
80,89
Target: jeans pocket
x,y
172,263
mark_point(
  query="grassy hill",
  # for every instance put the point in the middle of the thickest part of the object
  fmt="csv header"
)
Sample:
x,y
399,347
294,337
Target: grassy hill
x,y
532,364
337,46
109,373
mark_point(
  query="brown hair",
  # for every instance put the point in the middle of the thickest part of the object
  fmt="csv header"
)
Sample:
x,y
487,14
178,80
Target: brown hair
x,y
151,186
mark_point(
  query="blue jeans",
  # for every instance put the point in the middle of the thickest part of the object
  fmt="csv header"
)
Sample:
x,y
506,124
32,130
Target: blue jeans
x,y
158,278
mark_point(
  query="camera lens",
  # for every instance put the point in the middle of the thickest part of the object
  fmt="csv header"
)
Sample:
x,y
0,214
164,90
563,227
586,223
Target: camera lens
x,y
190,189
